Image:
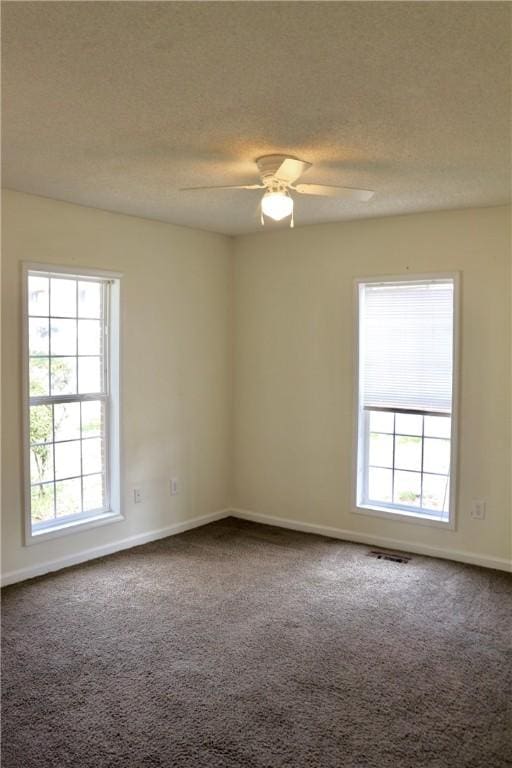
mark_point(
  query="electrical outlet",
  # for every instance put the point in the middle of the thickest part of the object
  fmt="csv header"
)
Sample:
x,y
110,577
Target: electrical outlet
x,y
478,509
137,495
174,486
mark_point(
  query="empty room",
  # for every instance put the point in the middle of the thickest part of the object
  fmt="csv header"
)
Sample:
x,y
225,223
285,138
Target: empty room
x,y
256,384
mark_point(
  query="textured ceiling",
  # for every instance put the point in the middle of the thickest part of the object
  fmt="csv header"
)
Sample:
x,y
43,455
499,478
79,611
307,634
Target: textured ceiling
x,y
118,104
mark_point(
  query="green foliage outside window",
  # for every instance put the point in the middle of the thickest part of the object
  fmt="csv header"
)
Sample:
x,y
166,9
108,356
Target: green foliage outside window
x,y
41,433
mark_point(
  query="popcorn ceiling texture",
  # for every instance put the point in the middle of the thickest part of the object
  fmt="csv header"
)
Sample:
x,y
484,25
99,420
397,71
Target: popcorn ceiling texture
x,y
116,105
244,646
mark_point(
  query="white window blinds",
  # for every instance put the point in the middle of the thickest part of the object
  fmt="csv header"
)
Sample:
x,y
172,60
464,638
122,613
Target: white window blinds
x,y
406,345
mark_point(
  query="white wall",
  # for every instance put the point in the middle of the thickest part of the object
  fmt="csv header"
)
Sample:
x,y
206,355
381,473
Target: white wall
x,y
294,352
176,364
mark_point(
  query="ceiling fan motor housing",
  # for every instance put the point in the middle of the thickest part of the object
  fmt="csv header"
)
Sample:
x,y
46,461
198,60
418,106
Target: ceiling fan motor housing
x,y
268,166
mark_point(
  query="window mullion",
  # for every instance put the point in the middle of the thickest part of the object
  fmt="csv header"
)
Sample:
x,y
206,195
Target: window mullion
x,y
422,456
366,453
53,464
49,394
81,463
59,399
393,462
105,338
105,350
49,336
76,342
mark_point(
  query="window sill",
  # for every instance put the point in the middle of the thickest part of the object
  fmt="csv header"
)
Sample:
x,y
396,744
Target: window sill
x,y
73,526
402,516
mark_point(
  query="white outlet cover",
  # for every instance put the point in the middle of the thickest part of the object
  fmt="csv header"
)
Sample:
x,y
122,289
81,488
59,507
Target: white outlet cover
x,y
478,509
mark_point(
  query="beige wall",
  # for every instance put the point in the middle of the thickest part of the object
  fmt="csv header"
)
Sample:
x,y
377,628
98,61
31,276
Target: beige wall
x,y
280,331
176,363
294,352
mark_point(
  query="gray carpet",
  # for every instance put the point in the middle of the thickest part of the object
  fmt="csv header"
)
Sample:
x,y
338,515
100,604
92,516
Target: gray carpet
x,y
244,645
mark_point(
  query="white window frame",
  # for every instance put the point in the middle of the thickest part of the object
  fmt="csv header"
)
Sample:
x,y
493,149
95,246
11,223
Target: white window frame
x,y
84,521
359,448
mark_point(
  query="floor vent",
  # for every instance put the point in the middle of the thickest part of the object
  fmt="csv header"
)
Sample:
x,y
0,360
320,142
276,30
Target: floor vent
x,y
394,557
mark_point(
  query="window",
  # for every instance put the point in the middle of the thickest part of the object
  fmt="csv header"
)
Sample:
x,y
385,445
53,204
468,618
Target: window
x,y
72,441
406,385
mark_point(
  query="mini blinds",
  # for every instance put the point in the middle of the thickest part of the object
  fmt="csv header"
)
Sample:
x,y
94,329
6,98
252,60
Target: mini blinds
x,y
406,345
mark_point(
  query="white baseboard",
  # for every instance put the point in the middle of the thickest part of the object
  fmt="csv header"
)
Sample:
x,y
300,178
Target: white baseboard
x,y
499,563
472,558
30,572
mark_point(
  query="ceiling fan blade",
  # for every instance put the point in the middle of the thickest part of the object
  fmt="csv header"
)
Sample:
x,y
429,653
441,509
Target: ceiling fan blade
x,y
290,170
229,186
326,191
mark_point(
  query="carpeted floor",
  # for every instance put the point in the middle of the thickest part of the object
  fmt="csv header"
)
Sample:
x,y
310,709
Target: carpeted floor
x,y
240,645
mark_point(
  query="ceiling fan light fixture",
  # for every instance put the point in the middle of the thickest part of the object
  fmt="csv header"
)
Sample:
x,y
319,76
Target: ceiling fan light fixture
x,y
277,205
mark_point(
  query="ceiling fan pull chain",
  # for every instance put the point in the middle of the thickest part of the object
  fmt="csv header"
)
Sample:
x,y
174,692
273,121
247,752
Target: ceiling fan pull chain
x,y
292,223
262,219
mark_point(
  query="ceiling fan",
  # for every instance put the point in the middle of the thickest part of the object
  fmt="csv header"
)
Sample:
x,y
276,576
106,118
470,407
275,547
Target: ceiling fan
x,y
278,175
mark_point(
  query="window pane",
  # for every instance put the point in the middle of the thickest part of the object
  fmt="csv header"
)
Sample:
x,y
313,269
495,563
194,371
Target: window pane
x,y
407,488
63,337
381,450
89,299
41,504
67,459
438,426
63,375
408,452
92,418
89,337
380,484
41,428
38,295
89,374
408,424
67,421
62,297
381,421
41,463
38,336
436,456
68,497
93,492
92,456
436,492
39,376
